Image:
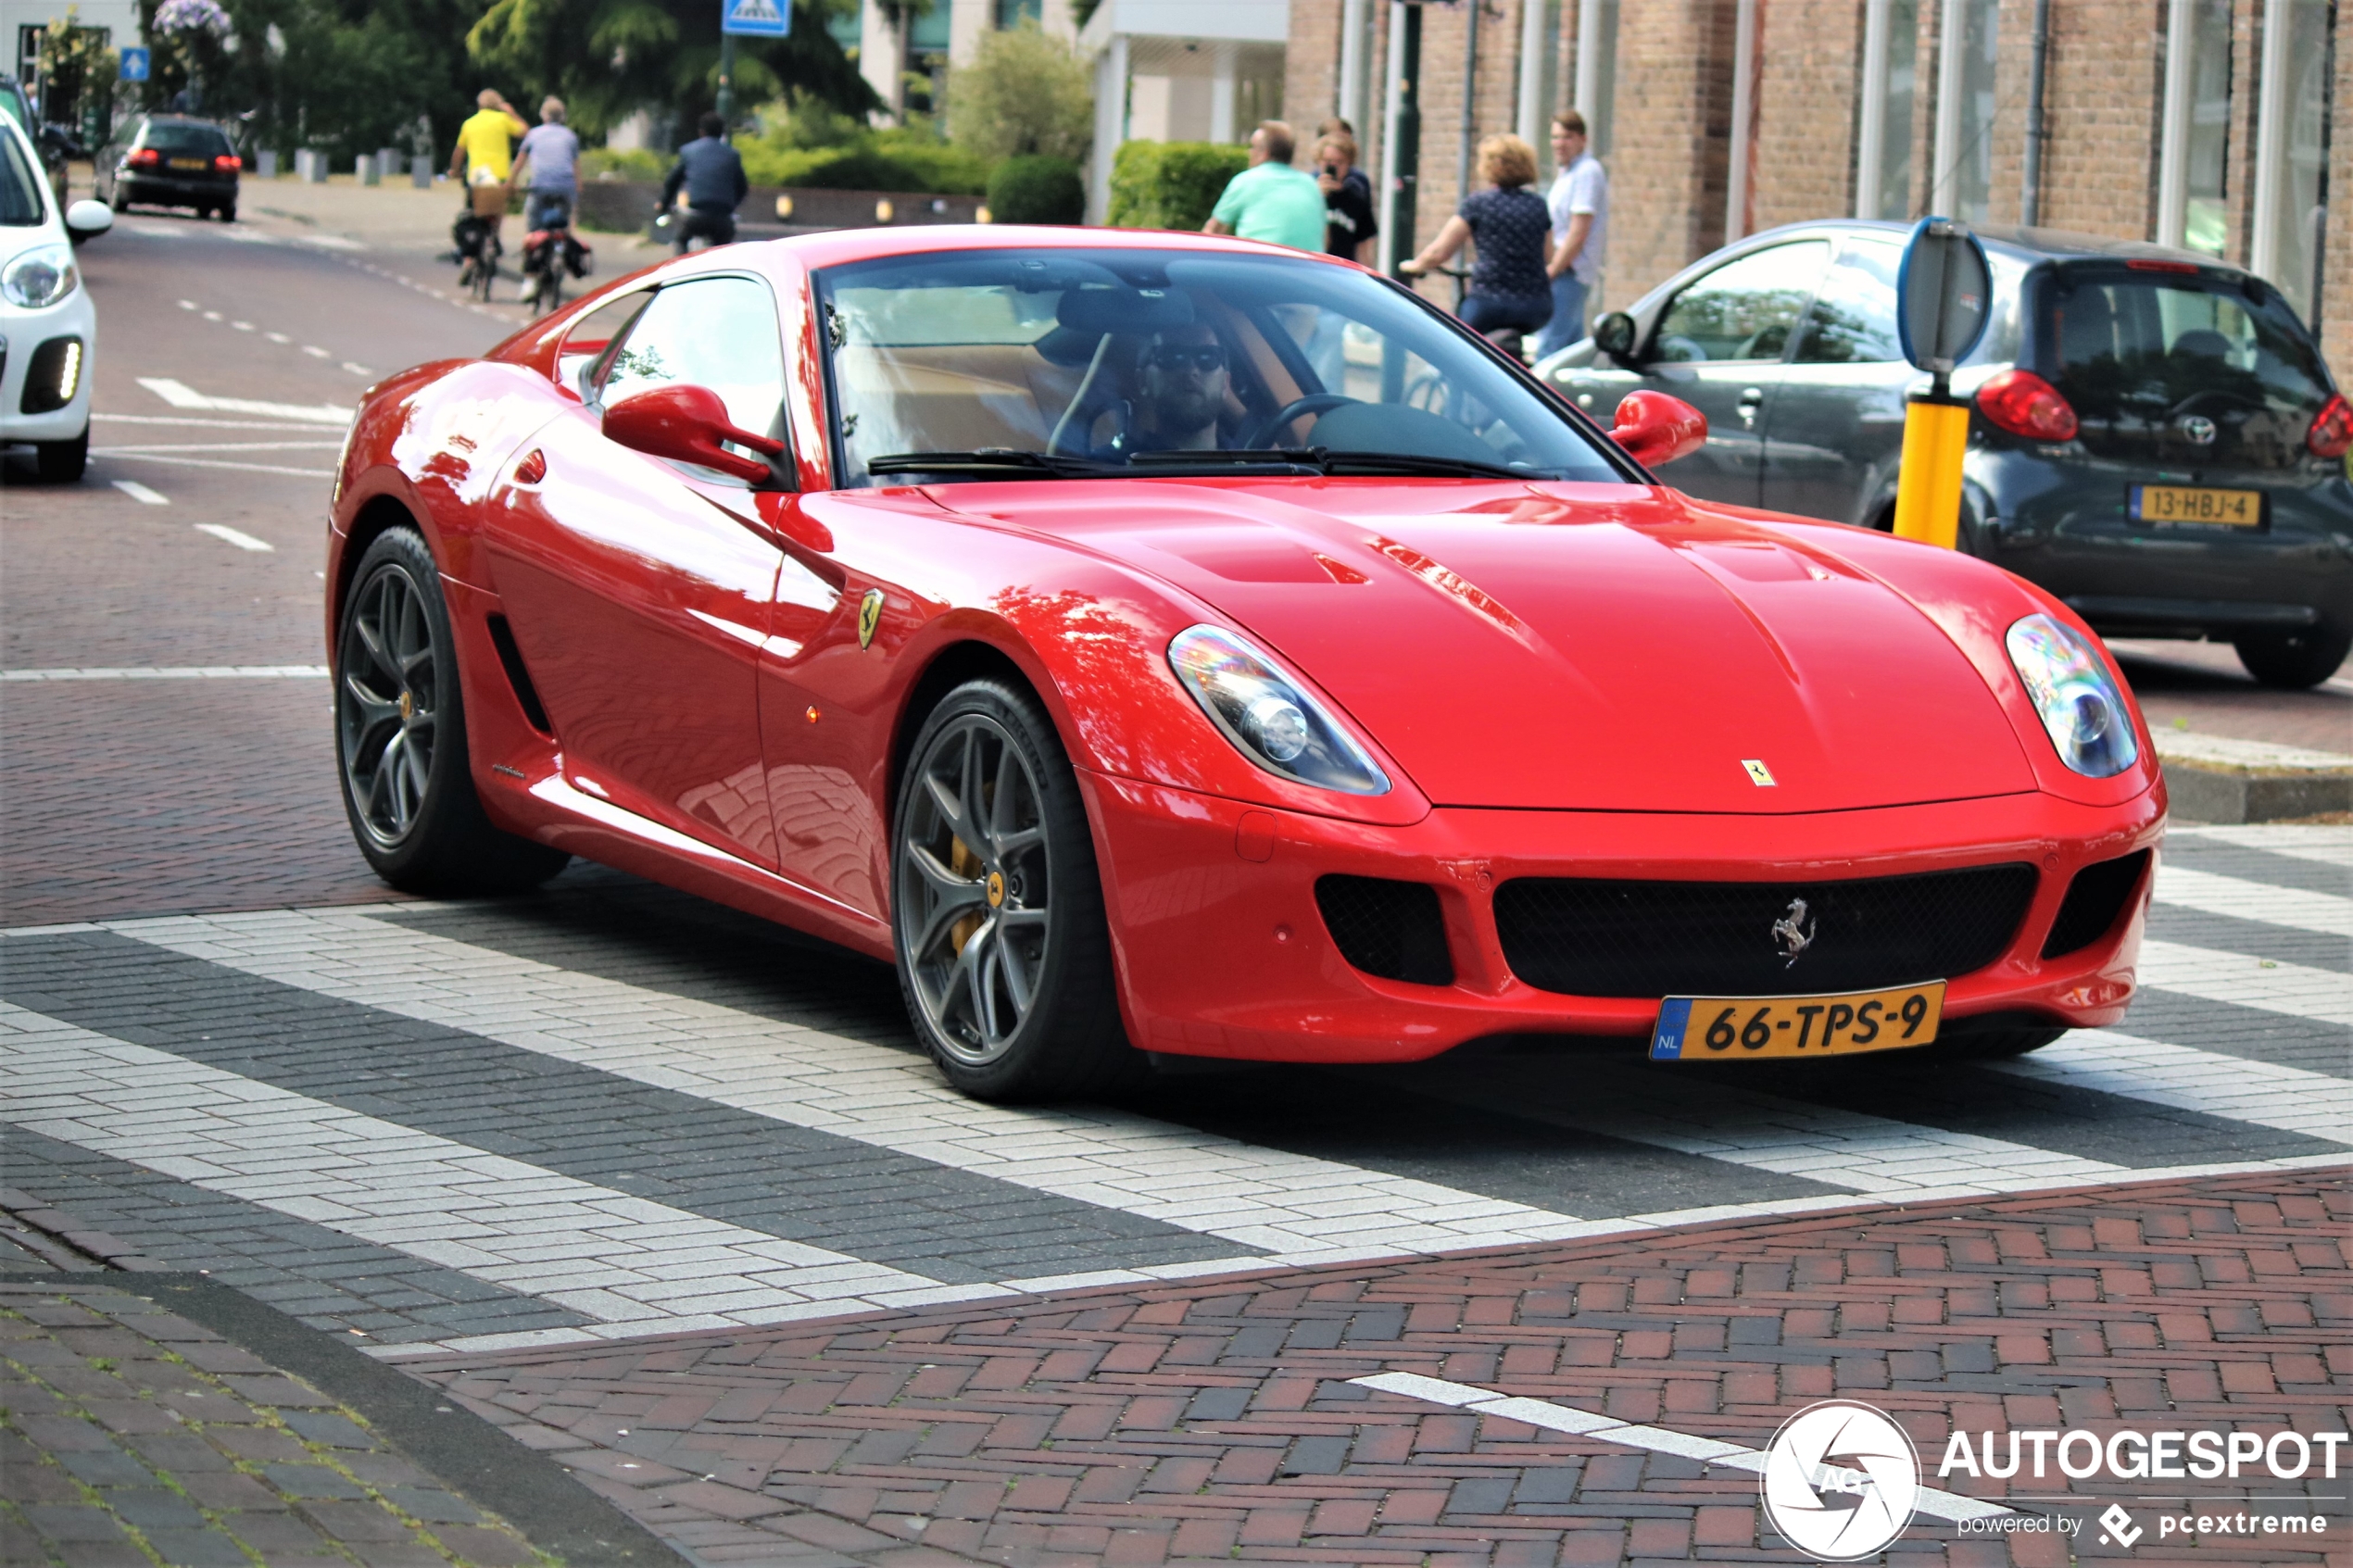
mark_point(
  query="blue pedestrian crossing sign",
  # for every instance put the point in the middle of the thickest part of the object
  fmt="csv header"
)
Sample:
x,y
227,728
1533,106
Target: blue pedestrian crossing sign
x,y
756,18
134,65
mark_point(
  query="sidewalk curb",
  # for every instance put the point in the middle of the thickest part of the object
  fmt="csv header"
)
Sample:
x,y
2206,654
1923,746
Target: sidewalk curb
x,y
470,1455
2235,796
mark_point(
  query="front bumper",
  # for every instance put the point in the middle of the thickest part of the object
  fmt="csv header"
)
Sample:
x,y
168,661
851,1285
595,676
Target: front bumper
x,y
1225,954
25,332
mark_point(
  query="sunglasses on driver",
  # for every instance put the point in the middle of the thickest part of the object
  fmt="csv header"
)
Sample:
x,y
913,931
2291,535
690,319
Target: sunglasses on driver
x,y
1203,357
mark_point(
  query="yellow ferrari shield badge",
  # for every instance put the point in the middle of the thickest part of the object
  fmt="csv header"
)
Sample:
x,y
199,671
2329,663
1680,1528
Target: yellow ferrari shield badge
x,y
1758,774
869,617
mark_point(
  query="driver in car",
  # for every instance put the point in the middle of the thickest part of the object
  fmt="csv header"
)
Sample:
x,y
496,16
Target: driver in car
x,y
1183,380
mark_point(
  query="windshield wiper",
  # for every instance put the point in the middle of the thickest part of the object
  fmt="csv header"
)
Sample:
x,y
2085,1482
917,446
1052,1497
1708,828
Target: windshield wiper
x,y
1416,463
1290,458
986,459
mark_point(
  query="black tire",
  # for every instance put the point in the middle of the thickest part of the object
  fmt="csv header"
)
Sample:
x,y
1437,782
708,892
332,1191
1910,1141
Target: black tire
x,y
421,825
1028,900
228,214
62,462
2294,660
118,201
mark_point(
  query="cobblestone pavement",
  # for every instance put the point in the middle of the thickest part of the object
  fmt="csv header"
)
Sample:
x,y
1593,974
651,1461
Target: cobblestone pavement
x,y
607,1157
130,1436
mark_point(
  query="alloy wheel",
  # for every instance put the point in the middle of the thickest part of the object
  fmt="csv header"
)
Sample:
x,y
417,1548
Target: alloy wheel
x,y
973,888
387,704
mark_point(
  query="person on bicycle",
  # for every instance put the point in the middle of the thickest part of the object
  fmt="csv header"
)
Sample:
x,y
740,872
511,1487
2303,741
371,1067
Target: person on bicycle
x,y
711,173
1510,291
547,167
485,158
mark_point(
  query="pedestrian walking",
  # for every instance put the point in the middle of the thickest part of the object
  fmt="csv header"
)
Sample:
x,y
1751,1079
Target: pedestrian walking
x,y
548,168
1270,200
1579,204
1509,291
485,157
710,172
1350,227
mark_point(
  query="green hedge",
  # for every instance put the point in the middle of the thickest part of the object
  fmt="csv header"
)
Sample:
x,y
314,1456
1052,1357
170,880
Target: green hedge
x,y
1035,189
1171,184
881,162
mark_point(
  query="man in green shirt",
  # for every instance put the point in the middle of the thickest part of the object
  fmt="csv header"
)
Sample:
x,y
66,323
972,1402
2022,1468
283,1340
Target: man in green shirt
x,y
1270,200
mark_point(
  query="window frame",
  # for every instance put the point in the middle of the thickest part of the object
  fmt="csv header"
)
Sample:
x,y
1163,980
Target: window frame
x,y
785,469
1831,250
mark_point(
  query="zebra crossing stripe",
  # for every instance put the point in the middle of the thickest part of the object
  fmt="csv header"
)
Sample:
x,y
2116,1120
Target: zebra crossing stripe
x,y
2208,892
2272,984
2262,1093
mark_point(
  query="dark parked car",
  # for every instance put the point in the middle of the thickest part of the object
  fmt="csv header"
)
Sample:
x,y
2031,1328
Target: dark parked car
x,y
169,161
2155,438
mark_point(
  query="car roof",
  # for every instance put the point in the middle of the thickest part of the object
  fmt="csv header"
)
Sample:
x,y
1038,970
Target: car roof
x,y
2029,244
834,247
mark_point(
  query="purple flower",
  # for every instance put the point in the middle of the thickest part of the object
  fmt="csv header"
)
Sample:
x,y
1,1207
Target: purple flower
x,y
190,16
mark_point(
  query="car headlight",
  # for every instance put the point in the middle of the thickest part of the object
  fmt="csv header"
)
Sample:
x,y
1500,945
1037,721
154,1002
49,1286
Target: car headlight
x,y
2081,709
1267,717
42,276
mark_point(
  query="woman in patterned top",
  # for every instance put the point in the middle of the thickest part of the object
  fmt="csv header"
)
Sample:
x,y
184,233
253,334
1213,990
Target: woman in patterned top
x,y
1509,289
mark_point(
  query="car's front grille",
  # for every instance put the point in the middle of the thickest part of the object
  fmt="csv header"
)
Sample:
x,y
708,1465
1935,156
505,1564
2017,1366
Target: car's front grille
x,y
1390,929
2094,900
1589,937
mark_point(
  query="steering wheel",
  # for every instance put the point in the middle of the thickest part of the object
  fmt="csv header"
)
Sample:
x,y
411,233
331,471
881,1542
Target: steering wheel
x,y
1297,408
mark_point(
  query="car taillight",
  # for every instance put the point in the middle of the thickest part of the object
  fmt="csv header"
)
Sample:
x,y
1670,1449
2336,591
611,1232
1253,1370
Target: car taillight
x,y
228,163
2331,431
146,157
2024,404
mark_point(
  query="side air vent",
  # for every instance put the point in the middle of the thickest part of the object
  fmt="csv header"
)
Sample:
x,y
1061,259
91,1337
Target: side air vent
x,y
2094,900
1390,929
510,660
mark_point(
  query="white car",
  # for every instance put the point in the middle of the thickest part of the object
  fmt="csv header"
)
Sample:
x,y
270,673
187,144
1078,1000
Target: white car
x,y
48,328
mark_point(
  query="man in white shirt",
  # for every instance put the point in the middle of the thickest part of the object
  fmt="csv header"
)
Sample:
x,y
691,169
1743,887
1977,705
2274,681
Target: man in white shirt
x,y
1579,204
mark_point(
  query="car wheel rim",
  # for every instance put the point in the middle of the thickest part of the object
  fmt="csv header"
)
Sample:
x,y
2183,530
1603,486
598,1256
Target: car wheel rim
x,y
973,892
387,701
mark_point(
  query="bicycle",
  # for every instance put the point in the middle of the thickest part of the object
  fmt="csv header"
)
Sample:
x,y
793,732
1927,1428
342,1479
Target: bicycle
x,y
550,251
475,242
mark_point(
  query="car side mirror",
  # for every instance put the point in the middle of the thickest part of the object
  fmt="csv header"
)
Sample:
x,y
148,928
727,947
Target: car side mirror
x,y
686,424
87,220
1614,335
1656,428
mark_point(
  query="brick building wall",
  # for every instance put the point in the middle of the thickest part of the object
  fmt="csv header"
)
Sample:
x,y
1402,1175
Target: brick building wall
x,y
1673,126
2103,100
2336,287
1806,110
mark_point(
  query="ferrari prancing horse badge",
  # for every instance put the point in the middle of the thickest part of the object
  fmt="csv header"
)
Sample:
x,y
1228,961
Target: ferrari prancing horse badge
x,y
869,617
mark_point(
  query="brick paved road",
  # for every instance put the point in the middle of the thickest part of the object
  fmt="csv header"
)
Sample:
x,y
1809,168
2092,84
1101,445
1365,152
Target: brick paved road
x,y
530,1134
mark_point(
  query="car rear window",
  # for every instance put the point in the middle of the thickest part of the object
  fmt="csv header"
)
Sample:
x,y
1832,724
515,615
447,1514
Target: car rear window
x,y
2135,345
20,184
186,141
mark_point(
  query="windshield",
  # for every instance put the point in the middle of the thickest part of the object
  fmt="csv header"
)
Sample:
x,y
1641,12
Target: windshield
x,y
1097,361
20,183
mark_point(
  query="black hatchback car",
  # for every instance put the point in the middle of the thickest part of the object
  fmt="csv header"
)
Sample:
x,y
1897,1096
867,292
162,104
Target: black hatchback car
x,y
170,160
2155,438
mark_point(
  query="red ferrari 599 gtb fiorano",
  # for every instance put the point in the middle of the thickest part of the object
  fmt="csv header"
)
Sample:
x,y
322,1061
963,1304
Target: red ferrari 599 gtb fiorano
x,y
1167,644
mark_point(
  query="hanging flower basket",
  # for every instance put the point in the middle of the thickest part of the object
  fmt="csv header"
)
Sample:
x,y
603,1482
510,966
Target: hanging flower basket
x,y
174,17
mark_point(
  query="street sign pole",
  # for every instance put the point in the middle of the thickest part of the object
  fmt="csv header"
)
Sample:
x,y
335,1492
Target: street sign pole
x,y
1944,298
727,79
749,19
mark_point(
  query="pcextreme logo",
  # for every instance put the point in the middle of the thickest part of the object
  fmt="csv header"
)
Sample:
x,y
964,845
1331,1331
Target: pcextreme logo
x,y
1839,1481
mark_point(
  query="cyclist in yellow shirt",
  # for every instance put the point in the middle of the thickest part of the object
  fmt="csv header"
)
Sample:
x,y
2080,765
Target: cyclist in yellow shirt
x,y
485,155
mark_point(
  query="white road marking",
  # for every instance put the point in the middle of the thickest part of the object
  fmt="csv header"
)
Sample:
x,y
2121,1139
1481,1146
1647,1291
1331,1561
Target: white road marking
x,y
182,395
214,463
316,352
242,326
143,451
357,369
2261,1093
1294,1206
175,672
187,304
633,1266
139,492
212,316
329,242
183,422
2322,995
238,537
278,337
2241,899
1593,1425
2329,845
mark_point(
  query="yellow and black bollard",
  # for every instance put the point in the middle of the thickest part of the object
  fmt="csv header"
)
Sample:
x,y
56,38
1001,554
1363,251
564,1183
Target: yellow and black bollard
x,y
1944,299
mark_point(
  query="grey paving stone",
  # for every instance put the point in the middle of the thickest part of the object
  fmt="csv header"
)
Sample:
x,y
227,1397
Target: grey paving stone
x,y
327,1426
304,1481
201,1548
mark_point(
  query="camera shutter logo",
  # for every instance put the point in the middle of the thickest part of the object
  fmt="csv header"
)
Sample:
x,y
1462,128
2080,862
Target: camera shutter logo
x,y
1841,1481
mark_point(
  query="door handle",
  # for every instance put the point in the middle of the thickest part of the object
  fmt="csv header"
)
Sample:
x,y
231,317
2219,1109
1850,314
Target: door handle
x,y
1751,399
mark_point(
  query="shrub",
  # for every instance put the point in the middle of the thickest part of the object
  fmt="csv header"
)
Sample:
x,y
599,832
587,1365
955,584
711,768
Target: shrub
x,y
1024,92
636,163
1037,190
1171,184
909,158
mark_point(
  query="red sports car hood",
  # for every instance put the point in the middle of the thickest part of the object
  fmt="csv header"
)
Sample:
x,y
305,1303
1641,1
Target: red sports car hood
x,y
1601,647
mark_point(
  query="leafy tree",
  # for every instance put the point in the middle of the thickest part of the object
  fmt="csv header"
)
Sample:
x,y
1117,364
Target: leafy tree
x,y
608,59
1023,94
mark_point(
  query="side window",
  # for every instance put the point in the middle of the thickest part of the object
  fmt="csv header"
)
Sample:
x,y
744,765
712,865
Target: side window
x,y
1744,309
1853,320
719,333
591,335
